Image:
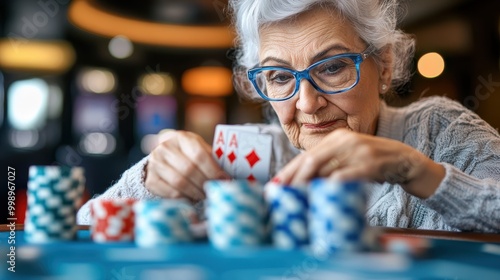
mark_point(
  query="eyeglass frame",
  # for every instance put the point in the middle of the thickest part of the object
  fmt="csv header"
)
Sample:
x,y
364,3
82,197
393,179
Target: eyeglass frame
x,y
358,58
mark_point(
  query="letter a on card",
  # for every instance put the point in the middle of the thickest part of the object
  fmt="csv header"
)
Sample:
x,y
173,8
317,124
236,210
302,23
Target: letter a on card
x,y
219,145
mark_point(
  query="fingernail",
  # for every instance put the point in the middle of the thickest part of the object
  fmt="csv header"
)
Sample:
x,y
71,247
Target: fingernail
x,y
276,180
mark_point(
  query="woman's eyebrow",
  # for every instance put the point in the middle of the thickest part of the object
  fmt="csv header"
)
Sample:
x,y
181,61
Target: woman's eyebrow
x,y
335,47
272,58
318,56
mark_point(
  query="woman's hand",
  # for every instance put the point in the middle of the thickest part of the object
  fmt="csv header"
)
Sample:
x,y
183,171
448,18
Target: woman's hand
x,y
178,167
346,155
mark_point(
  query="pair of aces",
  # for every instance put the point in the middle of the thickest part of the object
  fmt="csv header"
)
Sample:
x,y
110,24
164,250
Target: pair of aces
x,y
243,152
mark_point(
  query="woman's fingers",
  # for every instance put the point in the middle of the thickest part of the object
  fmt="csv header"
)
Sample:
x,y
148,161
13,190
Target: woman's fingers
x,y
320,161
180,165
200,153
348,156
156,185
184,166
303,168
287,175
170,182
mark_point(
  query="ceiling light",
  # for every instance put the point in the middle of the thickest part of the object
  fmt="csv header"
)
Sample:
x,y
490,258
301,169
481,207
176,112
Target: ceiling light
x,y
31,55
88,16
208,81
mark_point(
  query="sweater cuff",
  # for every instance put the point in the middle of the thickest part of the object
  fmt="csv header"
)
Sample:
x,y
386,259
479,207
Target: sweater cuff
x,y
130,185
450,198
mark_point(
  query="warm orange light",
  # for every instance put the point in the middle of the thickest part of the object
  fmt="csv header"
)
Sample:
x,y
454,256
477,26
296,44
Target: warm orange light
x,y
208,81
30,55
86,15
431,65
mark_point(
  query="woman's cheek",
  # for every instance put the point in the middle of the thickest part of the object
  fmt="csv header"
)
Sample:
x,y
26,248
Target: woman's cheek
x,y
285,115
288,123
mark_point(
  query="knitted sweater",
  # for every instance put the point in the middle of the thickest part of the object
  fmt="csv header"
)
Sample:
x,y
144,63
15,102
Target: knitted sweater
x,y
468,198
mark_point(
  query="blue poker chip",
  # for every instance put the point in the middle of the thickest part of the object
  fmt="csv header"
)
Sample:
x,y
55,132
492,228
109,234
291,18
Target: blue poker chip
x,y
337,216
235,213
162,222
288,207
54,196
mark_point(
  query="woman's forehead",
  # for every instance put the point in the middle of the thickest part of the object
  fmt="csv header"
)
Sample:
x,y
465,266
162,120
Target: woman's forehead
x,y
310,31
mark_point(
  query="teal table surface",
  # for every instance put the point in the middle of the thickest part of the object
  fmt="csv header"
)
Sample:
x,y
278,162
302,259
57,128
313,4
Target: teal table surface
x,y
84,259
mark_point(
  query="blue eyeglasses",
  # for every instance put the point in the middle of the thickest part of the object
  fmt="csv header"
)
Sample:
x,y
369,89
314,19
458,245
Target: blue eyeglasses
x,y
332,75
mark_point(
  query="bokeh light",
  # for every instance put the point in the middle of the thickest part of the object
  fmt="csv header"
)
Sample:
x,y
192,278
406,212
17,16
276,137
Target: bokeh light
x,y
208,81
157,84
120,47
97,80
27,104
431,65
24,139
98,143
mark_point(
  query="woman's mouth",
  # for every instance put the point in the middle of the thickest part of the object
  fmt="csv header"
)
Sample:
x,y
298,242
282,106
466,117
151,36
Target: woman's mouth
x,y
328,125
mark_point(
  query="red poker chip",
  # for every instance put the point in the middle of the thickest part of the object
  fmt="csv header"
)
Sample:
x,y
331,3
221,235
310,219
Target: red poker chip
x,y
112,220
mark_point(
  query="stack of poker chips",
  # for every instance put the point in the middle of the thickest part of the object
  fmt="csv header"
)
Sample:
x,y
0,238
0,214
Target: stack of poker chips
x,y
236,211
162,222
337,213
289,208
54,196
112,220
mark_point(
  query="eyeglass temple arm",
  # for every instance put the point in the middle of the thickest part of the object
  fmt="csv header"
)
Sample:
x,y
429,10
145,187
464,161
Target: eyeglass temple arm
x,y
368,51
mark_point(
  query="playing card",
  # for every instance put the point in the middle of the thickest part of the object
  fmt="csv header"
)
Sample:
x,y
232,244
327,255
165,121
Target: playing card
x,y
226,142
253,156
219,144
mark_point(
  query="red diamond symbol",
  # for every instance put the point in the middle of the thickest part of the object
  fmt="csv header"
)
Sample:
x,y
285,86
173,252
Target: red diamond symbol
x,y
252,158
231,157
219,152
251,178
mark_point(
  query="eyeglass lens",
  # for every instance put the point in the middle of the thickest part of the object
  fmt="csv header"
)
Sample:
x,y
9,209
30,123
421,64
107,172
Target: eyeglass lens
x,y
332,75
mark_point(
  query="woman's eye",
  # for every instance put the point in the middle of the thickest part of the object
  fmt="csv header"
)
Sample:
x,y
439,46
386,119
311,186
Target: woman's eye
x,y
280,77
332,68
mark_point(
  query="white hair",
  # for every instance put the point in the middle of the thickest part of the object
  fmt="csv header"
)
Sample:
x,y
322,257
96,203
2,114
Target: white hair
x,y
374,20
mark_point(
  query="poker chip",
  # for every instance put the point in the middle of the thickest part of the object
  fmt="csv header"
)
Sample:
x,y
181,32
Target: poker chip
x,y
288,207
235,211
112,220
337,211
161,222
54,196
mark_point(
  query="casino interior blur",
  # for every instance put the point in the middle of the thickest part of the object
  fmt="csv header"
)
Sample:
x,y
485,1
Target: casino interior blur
x,y
93,82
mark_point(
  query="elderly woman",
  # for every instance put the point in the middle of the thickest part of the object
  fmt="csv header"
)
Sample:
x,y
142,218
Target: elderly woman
x,y
325,68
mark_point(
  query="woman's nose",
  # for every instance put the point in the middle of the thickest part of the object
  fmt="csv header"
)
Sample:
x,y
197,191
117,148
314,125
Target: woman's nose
x,y
309,99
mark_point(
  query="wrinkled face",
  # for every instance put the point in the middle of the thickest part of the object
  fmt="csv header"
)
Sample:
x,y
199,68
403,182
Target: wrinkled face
x,y
310,115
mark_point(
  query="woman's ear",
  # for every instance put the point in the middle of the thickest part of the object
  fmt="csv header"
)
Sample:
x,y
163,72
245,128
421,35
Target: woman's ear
x,y
386,57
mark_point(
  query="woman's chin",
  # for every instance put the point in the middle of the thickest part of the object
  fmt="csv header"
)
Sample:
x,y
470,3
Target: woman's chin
x,y
310,141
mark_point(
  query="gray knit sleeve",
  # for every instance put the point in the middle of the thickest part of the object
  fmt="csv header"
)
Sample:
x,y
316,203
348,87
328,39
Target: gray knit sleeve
x,y
466,202
130,185
469,196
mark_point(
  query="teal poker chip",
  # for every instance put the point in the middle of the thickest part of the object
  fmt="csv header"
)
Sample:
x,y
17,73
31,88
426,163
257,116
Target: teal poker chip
x,y
162,222
235,213
54,196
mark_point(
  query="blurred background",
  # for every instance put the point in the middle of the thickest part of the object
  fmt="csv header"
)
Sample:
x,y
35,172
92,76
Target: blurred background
x,y
92,83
